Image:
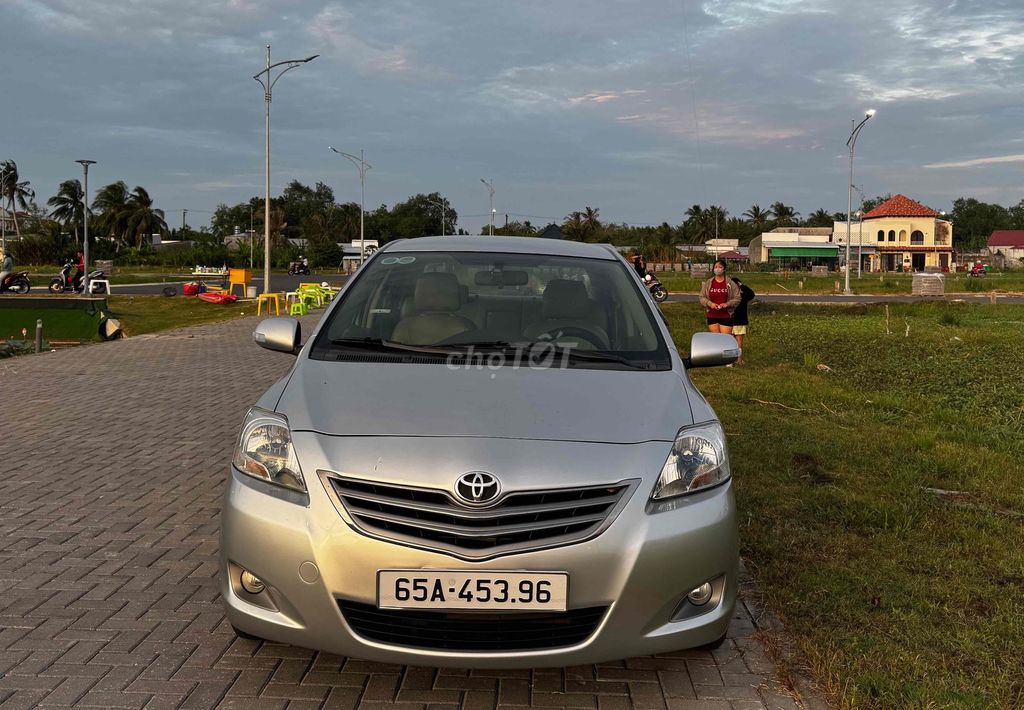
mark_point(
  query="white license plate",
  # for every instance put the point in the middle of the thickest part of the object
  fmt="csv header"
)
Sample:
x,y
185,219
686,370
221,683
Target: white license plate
x,y
482,591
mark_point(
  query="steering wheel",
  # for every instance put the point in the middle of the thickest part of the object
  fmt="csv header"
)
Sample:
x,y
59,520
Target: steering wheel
x,y
556,334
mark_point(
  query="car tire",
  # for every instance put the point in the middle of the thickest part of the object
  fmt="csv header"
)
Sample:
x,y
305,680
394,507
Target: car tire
x,y
717,643
243,635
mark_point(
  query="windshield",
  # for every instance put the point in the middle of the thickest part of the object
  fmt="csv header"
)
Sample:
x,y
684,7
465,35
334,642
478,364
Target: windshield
x,y
440,303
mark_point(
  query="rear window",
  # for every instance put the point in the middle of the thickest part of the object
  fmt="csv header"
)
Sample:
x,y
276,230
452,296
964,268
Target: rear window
x,y
445,302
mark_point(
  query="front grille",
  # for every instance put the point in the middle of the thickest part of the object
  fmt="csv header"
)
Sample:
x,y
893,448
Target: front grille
x,y
520,521
472,631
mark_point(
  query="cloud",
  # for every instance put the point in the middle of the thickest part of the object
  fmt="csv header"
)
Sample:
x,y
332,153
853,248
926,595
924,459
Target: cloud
x,y
600,97
334,28
974,162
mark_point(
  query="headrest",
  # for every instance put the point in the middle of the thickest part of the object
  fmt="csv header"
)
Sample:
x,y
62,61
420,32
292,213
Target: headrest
x,y
566,299
436,292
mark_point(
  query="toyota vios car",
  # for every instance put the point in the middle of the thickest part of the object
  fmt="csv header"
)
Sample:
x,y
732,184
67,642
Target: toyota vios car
x,y
488,454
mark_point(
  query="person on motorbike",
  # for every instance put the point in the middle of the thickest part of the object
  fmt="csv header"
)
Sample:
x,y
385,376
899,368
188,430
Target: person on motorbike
x,y
76,282
640,265
6,267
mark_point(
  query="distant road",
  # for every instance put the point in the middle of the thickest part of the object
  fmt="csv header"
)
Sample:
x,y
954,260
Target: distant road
x,y
283,282
279,282
885,298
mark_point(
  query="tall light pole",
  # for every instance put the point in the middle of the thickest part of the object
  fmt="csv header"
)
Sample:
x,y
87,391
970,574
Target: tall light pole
x,y
250,236
85,223
851,142
860,235
490,189
362,166
440,204
267,79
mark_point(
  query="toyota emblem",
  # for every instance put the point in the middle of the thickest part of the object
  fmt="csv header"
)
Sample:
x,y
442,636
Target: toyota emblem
x,y
477,488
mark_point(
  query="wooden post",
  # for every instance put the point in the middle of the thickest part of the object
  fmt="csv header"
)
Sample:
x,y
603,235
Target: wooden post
x,y
39,336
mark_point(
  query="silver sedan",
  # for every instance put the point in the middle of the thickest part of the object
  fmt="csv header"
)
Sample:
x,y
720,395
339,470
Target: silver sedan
x,y
488,454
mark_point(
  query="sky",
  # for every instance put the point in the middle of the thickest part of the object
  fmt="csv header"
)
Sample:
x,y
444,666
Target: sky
x,y
638,108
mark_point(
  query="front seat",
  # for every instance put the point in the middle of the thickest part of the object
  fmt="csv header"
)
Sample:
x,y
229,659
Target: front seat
x,y
566,304
432,318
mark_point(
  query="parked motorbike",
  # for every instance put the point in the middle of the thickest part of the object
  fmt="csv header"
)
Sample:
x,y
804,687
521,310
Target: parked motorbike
x,y
658,291
64,282
297,268
977,270
16,282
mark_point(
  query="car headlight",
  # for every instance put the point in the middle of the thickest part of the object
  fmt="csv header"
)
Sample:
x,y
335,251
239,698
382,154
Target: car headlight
x,y
265,450
698,460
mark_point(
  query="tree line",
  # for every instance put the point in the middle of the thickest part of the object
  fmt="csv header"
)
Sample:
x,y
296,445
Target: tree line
x,y
121,220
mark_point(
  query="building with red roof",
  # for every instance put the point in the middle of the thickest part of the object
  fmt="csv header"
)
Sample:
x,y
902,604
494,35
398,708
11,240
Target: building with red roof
x,y
1008,244
906,236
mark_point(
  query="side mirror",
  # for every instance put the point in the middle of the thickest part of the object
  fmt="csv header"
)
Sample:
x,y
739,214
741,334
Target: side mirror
x,y
280,334
712,350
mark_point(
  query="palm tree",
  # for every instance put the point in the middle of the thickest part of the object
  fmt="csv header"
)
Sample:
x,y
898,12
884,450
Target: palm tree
x,y
591,222
68,206
819,218
783,213
715,216
143,219
111,202
757,218
573,226
18,194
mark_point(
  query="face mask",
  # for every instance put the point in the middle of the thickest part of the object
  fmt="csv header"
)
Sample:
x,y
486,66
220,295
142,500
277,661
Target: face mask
x,y
719,271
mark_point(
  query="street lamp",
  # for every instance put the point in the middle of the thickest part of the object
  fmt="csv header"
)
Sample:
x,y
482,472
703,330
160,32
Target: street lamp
x,y
851,142
363,166
490,189
860,237
267,82
85,223
440,204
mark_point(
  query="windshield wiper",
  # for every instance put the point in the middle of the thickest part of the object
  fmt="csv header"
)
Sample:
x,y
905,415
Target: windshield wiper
x,y
597,356
381,345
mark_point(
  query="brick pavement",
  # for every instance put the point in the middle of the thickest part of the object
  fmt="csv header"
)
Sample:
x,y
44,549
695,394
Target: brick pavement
x,y
114,461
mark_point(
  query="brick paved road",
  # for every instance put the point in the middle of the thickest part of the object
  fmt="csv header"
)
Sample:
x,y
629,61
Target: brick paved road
x,y
108,522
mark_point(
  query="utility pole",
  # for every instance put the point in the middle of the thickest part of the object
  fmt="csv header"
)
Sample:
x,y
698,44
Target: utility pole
x,y
490,189
85,223
362,166
851,142
267,82
183,213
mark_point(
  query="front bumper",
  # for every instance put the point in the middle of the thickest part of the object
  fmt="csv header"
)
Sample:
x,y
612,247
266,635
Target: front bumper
x,y
640,568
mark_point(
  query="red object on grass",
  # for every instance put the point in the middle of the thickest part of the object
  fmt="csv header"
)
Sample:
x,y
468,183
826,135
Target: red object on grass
x,y
219,297
190,289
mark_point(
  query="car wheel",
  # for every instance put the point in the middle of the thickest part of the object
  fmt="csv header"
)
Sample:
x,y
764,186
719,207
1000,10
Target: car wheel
x,y
717,643
243,635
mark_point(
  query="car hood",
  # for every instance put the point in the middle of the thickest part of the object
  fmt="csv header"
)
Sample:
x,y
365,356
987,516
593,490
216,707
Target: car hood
x,y
429,400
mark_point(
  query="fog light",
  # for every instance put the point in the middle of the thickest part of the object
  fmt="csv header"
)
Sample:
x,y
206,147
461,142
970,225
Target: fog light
x,y
698,597
253,584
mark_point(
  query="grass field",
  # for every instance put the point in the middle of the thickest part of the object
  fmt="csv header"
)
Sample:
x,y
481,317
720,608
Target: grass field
x,y
57,324
839,426
149,314
138,315
765,283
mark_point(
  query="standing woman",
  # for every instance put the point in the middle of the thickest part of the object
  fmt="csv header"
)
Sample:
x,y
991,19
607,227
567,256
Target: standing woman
x,y
719,296
740,318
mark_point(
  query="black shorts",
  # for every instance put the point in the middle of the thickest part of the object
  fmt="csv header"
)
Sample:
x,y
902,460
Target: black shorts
x,y
720,321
